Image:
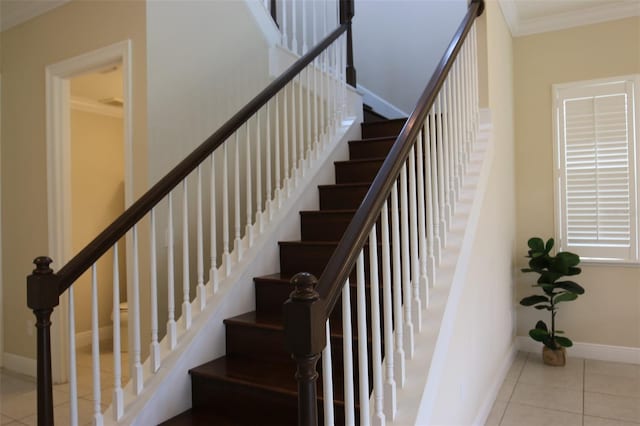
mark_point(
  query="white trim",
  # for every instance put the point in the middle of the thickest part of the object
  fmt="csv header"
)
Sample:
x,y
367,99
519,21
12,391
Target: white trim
x,y
379,105
20,364
625,354
58,165
95,107
510,13
494,388
83,338
23,11
1,271
264,21
560,21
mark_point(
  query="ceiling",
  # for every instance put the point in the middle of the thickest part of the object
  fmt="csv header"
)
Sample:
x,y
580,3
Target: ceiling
x,y
526,17
523,16
15,12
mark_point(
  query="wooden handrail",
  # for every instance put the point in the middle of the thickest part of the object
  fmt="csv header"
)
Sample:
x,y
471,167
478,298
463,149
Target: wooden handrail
x,y
107,238
356,235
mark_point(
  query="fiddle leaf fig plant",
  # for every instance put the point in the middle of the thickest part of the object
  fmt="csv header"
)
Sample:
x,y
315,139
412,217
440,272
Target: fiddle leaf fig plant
x,y
551,271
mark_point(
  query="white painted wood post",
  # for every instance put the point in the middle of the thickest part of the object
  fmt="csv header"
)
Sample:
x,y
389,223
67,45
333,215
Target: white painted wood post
x,y
172,332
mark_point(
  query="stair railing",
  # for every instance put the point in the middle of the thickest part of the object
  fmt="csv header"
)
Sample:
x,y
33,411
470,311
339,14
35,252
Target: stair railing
x,y
302,23
413,200
232,184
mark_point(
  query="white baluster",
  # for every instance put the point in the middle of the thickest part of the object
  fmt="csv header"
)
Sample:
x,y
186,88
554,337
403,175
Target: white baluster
x,y
213,271
428,197
279,184
390,403
422,232
294,27
459,119
285,39
441,174
347,354
416,304
138,382
73,375
398,321
308,121
268,206
248,189
118,397
363,362
285,144
172,333
406,264
453,195
226,257
154,347
237,245
294,135
327,379
304,27
376,340
201,292
186,302
301,165
258,167
446,146
434,186
95,348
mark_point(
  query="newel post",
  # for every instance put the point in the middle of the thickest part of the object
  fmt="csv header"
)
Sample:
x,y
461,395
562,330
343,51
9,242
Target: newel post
x,y
304,328
42,297
347,12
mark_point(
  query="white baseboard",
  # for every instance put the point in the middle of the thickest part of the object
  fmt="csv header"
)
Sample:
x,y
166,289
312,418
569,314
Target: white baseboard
x,y
494,388
379,105
20,364
84,337
623,354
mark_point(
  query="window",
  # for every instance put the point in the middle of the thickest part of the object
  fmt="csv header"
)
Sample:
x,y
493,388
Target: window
x,y
596,168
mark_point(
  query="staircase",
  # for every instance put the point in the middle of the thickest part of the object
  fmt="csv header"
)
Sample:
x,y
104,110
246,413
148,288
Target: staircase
x,y
254,383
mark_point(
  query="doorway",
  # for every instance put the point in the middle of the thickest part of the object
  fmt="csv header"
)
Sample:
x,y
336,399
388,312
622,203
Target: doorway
x,y
61,108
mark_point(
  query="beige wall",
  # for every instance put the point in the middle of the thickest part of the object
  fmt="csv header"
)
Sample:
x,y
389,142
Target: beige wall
x,y
609,312
26,50
97,198
484,330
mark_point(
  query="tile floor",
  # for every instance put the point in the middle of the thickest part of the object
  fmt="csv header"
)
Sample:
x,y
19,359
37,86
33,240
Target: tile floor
x,y
18,397
582,393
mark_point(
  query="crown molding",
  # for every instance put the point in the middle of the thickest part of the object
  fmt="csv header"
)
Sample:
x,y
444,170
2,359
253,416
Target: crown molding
x,y
95,107
559,21
16,12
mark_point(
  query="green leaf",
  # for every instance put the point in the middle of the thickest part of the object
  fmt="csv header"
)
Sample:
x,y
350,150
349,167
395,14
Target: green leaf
x,y
565,297
573,271
563,341
540,307
536,244
532,300
548,246
571,286
540,325
526,270
559,332
570,259
538,335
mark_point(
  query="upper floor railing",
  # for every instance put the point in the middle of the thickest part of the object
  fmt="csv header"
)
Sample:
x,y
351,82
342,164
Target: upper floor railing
x,y
412,199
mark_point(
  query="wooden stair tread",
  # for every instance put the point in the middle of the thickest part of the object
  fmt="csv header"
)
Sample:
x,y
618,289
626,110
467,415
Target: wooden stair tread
x,y
361,160
346,185
275,377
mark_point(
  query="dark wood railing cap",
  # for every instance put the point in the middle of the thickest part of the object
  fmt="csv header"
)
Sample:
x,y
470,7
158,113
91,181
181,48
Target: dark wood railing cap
x,y
42,265
304,283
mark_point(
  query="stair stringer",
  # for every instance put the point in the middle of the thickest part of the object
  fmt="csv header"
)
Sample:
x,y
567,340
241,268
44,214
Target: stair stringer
x,y
168,392
416,399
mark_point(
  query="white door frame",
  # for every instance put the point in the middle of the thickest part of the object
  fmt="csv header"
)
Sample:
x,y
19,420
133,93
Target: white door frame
x,y
1,270
59,170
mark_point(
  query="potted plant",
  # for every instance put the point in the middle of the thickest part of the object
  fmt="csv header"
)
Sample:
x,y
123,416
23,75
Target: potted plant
x,y
551,271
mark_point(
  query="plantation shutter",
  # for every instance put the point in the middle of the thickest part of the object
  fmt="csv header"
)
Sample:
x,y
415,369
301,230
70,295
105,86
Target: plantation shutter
x,y
597,170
